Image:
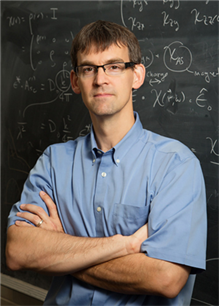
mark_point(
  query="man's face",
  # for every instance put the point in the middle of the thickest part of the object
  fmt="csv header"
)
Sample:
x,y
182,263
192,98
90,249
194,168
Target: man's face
x,y
102,94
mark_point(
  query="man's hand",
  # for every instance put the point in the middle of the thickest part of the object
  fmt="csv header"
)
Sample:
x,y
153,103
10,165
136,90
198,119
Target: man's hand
x,y
35,214
138,238
50,250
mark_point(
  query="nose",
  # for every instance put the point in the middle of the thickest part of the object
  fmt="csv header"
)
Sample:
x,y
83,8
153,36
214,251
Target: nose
x,y
100,76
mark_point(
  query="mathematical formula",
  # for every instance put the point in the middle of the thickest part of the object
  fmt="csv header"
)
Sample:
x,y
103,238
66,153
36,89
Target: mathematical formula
x,y
175,57
167,19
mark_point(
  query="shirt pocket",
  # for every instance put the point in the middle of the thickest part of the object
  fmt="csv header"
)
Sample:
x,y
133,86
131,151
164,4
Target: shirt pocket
x,y
127,219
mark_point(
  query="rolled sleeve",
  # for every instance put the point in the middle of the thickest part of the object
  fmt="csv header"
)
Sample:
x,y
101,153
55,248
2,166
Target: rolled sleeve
x,y
177,221
38,179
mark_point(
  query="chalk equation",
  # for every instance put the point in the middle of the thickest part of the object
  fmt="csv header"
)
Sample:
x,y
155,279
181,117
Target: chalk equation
x,y
214,150
177,58
38,41
61,83
172,3
168,99
133,21
49,53
49,125
207,20
30,18
167,18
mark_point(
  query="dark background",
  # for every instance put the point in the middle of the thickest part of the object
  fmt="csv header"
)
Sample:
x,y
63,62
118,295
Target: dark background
x,y
179,99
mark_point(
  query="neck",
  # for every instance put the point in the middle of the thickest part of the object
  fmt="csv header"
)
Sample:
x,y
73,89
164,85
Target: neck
x,y
110,130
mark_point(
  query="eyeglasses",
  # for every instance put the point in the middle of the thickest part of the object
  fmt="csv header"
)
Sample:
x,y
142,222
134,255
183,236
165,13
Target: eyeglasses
x,y
87,71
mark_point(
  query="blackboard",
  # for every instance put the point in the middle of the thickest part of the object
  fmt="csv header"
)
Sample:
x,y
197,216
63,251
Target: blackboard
x,y
179,99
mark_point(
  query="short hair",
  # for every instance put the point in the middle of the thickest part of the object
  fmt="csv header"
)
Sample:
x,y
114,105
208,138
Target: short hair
x,y
101,35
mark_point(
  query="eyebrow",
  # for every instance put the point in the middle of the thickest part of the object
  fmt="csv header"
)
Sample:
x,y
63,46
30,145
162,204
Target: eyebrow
x,y
110,61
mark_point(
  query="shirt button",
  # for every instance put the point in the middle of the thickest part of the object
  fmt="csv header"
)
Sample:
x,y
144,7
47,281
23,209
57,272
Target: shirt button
x,y
103,174
118,161
99,208
94,160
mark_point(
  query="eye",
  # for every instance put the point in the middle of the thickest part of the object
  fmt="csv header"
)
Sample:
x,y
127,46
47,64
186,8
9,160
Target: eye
x,y
87,69
115,67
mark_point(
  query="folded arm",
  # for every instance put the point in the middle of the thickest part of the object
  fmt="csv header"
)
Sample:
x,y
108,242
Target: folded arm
x,y
52,251
137,274
98,261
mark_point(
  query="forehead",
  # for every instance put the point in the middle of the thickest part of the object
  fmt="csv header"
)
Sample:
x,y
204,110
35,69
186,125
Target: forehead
x,y
95,56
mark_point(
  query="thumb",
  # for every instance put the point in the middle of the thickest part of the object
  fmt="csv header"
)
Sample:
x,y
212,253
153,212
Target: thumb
x,y
49,203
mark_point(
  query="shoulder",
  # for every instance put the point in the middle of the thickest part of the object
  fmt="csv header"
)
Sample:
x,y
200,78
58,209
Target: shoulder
x,y
65,150
67,147
166,155
169,147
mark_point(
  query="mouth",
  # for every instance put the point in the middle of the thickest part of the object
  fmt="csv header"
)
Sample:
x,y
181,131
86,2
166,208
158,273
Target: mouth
x,y
102,95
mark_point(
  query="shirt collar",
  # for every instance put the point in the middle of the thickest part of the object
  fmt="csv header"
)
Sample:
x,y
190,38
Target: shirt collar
x,y
123,146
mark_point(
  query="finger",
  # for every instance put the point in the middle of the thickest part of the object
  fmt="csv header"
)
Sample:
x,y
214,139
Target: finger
x,y
35,219
49,203
35,210
23,224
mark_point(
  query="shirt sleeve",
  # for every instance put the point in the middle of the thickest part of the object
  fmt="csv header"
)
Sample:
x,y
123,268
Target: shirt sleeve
x,y
39,179
177,220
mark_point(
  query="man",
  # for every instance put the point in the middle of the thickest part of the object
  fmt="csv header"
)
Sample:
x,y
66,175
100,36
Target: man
x,y
108,185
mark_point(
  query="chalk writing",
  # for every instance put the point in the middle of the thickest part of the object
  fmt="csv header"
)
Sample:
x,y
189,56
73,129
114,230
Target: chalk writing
x,y
134,95
54,12
169,21
206,20
38,103
27,85
156,77
148,59
135,23
22,129
173,3
177,57
60,85
140,4
213,204
12,21
34,17
169,98
21,165
207,75
85,131
202,302
63,80
213,150
200,100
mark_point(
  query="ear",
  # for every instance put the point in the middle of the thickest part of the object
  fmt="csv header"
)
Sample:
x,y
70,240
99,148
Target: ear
x,y
74,82
139,76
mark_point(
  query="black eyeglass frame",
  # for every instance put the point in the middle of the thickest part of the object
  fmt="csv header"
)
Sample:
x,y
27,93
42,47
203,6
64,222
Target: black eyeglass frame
x,y
127,65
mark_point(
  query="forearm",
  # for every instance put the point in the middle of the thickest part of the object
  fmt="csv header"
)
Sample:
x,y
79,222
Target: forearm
x,y
59,253
137,274
123,275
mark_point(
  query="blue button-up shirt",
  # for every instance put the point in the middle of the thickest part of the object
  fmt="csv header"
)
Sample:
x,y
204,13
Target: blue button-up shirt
x,y
144,178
